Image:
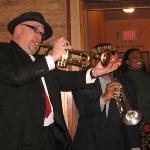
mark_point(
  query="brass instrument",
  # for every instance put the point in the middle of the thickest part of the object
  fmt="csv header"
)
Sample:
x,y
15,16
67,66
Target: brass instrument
x,y
129,116
82,59
79,58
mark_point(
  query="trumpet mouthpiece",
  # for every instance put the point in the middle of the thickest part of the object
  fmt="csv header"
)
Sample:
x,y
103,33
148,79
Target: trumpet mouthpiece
x,y
45,45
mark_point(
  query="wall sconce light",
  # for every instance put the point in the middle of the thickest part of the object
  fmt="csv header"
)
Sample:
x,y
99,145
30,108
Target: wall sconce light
x,y
128,10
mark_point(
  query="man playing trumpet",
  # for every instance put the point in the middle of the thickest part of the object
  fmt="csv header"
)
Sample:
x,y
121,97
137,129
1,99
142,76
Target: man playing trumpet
x,y
100,126
31,115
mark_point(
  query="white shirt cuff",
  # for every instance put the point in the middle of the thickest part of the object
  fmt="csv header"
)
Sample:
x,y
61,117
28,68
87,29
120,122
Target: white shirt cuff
x,y
136,148
88,77
50,62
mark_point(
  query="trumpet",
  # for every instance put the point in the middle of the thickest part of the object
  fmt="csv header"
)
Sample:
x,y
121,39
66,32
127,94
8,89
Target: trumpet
x,y
129,116
79,58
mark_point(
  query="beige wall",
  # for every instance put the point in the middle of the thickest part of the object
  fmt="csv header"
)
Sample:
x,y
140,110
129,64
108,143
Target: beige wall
x,y
114,30
113,33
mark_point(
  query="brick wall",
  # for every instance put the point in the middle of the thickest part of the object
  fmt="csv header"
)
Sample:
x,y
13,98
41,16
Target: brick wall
x,y
55,11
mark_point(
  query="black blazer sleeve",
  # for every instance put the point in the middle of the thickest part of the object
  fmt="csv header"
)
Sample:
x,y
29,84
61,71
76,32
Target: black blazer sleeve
x,y
17,68
69,80
87,100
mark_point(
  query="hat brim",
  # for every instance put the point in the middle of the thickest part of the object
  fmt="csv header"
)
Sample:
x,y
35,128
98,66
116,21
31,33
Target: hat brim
x,y
16,21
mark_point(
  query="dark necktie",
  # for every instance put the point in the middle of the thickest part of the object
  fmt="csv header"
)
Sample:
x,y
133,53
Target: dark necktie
x,y
47,106
104,110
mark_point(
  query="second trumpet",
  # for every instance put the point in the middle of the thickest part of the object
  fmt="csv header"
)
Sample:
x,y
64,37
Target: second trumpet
x,y
129,116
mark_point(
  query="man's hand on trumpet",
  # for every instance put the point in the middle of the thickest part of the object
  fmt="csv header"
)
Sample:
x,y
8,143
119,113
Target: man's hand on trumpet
x,y
110,89
99,70
59,47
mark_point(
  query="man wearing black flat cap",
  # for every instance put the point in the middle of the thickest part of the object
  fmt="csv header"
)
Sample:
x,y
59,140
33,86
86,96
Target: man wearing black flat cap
x,y
31,116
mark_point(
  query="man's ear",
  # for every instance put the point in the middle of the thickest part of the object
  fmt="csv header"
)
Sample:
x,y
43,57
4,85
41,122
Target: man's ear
x,y
17,28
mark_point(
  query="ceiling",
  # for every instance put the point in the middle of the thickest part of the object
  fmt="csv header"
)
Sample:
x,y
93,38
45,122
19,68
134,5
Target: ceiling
x,y
118,14
113,8
111,4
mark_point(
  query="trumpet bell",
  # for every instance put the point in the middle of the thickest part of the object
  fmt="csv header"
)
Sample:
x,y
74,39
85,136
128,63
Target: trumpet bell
x,y
105,57
132,117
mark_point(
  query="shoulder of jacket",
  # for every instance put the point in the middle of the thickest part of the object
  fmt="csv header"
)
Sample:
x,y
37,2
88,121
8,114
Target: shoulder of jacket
x,y
3,45
4,48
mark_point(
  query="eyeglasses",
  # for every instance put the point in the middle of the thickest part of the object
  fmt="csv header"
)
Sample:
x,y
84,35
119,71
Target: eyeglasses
x,y
35,29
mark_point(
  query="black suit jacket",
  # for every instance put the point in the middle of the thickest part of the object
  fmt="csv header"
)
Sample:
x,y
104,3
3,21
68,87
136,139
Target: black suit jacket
x,y
94,130
22,104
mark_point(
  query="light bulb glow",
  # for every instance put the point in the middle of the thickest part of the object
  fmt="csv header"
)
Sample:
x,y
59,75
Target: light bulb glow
x,y
128,10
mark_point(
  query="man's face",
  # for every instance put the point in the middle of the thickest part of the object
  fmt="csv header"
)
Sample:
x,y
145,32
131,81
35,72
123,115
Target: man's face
x,y
31,34
135,60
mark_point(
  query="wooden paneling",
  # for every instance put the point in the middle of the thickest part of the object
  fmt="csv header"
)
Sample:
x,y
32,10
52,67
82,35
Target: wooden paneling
x,y
95,28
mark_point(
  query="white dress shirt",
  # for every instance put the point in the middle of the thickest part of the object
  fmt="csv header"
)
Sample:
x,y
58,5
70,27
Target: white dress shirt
x,y
103,81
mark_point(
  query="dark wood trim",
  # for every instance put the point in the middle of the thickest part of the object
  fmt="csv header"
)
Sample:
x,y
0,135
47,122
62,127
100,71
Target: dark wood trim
x,y
68,20
81,3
